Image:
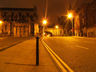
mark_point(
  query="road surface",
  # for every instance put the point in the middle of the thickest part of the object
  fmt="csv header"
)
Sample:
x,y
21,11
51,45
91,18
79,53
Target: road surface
x,y
78,53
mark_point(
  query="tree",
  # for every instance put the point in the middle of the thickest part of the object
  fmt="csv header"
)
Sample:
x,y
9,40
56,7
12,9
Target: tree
x,y
66,24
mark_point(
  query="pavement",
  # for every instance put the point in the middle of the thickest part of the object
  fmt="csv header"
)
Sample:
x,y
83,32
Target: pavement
x,y
22,58
7,42
94,38
78,53
1,38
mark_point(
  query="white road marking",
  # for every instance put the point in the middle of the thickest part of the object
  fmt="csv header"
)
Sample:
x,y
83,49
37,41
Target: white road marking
x,y
57,59
82,47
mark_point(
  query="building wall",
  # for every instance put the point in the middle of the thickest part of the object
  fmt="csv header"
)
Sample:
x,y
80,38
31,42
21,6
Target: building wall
x,y
83,20
91,14
21,30
18,22
87,16
5,28
36,29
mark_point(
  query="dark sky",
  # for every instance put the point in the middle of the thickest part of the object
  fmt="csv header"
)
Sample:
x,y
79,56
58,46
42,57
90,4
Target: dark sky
x,y
55,7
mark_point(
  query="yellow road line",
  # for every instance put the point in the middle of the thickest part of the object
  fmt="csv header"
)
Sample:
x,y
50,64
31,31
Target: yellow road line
x,y
57,59
59,64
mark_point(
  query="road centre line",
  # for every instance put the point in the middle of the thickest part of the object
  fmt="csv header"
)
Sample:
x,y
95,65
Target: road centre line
x,y
57,59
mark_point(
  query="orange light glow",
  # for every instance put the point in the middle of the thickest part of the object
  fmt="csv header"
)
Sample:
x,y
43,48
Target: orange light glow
x,y
56,26
1,22
70,15
44,21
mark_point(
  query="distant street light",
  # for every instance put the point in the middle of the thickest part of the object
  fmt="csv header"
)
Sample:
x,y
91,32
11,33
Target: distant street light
x,y
44,23
56,26
1,22
70,16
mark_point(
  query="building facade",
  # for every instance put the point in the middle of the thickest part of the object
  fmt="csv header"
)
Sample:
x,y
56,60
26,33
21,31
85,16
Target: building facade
x,y
77,25
91,19
18,22
87,16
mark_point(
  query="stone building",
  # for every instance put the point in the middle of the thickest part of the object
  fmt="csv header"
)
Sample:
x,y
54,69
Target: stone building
x,y
76,25
91,19
18,22
87,16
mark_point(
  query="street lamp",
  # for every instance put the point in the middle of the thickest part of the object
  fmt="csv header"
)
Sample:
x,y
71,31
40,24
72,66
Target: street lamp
x,y
44,23
1,22
57,29
70,16
56,26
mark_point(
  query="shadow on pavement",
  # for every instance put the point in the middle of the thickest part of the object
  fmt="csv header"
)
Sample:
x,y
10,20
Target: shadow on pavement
x,y
10,46
12,41
20,64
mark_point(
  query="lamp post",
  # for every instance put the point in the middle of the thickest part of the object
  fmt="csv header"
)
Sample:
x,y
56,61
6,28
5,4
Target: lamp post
x,y
70,16
1,22
57,29
44,23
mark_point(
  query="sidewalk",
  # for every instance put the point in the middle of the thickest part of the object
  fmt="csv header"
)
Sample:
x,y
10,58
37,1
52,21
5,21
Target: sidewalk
x,y
7,42
84,37
22,58
1,38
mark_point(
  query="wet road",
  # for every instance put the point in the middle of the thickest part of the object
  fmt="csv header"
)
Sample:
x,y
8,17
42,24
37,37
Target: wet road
x,y
78,53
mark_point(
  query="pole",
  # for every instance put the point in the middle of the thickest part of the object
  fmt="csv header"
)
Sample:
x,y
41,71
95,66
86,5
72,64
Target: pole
x,y
46,8
43,30
37,51
72,26
57,31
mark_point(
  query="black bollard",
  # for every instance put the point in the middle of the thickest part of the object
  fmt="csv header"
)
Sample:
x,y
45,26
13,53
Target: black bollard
x,y
37,51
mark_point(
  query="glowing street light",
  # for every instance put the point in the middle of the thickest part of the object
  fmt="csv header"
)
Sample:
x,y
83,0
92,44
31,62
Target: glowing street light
x,y
44,22
56,26
1,22
57,29
70,15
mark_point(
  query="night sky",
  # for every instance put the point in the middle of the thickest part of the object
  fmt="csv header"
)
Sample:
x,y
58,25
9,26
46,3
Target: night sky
x,y
55,7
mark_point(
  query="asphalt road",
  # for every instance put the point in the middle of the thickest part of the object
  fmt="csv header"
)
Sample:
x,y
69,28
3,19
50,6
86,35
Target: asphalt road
x,y
77,53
